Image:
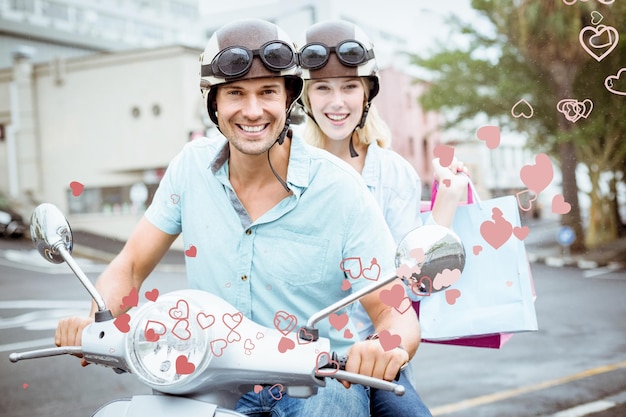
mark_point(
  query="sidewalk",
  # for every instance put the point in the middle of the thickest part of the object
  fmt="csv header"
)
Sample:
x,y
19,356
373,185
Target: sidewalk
x,y
542,247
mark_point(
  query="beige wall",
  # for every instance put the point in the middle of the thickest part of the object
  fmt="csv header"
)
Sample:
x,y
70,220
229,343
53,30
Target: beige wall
x,y
84,130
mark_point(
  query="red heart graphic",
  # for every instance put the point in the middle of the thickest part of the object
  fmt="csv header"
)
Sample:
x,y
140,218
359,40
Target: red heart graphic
x,y
452,295
389,341
418,254
232,320
151,336
352,266
445,154
477,249
522,109
373,272
183,366
218,346
152,295
181,311
191,252
489,134
258,388
338,321
304,337
496,232
77,188
248,345
393,297
538,176
612,83
131,300
424,282
345,285
278,396
233,336
573,109
122,323
404,271
328,366
24,386
175,198
602,41
285,322
347,334
528,200
285,344
559,205
181,330
521,232
154,330
205,320
446,278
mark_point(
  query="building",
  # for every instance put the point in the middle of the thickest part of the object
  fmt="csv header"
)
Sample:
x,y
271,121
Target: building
x,y
101,97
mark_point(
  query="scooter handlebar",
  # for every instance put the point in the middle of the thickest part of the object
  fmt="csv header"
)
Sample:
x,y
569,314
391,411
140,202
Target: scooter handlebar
x,y
44,353
363,380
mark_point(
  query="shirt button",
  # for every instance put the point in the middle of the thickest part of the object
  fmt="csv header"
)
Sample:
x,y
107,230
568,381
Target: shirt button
x,y
248,232
244,277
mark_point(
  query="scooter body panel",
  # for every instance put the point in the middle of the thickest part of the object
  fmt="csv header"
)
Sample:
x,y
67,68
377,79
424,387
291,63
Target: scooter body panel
x,y
162,406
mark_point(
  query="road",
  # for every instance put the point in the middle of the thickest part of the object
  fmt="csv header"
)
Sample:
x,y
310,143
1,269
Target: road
x,y
577,358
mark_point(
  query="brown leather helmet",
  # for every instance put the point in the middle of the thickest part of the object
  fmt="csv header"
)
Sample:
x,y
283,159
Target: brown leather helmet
x,y
337,48
246,49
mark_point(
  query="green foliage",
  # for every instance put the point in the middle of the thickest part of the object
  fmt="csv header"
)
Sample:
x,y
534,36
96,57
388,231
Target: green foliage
x,y
531,49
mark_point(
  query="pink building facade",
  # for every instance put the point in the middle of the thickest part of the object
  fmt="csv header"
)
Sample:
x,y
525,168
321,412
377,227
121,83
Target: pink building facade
x,y
415,132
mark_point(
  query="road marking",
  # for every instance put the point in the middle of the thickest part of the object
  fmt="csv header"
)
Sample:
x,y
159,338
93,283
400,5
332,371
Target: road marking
x,y
11,347
585,409
31,261
502,395
592,273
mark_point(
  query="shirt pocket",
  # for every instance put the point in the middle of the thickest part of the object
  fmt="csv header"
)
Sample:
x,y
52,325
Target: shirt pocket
x,y
296,259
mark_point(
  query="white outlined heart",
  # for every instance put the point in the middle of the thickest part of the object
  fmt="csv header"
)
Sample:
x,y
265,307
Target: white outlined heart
x,y
596,33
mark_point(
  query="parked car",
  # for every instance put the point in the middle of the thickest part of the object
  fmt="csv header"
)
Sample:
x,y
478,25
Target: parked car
x,y
11,224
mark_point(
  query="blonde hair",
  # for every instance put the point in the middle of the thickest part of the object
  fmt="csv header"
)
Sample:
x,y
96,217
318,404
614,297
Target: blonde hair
x,y
375,127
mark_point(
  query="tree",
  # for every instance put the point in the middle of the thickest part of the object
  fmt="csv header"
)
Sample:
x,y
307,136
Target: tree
x,y
535,52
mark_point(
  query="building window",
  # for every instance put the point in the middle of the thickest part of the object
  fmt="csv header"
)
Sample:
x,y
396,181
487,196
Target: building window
x,y
56,11
22,5
107,200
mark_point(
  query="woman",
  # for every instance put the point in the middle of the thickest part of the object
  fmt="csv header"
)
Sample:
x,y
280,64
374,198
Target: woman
x,y
341,80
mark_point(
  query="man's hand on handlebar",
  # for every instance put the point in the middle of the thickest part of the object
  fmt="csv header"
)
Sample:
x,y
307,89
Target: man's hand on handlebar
x,y
369,358
69,332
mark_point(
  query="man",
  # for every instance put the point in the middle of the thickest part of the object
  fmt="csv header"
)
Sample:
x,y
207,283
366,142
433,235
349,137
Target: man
x,y
271,219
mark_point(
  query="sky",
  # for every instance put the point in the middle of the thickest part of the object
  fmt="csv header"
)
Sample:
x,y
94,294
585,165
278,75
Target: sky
x,y
420,22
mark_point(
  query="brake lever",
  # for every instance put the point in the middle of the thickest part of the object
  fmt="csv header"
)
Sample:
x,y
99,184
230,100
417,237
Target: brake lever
x,y
44,353
362,380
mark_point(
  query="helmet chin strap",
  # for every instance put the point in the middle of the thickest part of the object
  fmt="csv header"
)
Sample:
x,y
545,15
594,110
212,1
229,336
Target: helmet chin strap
x,y
280,140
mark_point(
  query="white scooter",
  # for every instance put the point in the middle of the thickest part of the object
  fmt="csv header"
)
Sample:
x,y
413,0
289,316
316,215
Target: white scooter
x,y
196,351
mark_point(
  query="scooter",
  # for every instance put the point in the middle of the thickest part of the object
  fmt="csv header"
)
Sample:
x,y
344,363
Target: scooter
x,y
196,352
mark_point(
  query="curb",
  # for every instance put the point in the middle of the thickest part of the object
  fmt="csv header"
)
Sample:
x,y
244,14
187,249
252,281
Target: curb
x,y
575,261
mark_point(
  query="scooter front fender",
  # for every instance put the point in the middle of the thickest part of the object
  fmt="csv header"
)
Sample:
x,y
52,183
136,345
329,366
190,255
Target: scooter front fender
x,y
162,406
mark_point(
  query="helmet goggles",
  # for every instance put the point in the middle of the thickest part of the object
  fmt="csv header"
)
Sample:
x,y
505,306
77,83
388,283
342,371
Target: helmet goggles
x,y
236,61
350,53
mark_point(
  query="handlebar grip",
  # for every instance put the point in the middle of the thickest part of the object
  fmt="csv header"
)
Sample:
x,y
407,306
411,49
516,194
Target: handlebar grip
x,y
44,353
343,359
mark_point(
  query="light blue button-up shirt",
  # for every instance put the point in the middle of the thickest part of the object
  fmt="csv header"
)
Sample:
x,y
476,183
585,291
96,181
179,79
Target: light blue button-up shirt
x,y
397,190
288,259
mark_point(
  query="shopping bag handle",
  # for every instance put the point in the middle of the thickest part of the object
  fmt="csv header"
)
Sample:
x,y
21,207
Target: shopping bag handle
x,y
472,195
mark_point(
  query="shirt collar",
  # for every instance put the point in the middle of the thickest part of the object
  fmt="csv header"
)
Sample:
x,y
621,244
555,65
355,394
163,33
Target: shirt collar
x,y
371,167
299,161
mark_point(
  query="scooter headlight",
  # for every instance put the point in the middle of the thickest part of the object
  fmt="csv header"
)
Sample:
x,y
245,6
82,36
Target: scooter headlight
x,y
169,340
